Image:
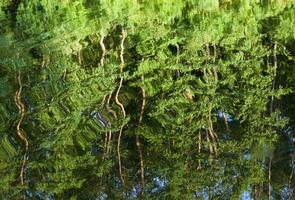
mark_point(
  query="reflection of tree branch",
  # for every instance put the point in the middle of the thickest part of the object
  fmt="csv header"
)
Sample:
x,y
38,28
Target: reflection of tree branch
x,y
21,111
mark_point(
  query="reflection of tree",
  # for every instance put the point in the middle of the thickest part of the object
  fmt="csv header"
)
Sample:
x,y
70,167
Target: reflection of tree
x,y
183,64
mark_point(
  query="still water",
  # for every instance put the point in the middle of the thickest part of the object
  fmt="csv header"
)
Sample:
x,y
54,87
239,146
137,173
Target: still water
x,y
136,99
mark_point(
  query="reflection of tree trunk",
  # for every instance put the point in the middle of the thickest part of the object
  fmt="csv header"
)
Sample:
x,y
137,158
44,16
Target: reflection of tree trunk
x,y
138,144
24,140
274,75
254,189
124,35
290,192
269,179
208,75
119,154
107,142
177,58
211,151
255,192
143,100
108,106
109,134
209,193
260,191
199,149
200,143
212,134
257,189
109,146
105,147
225,121
213,141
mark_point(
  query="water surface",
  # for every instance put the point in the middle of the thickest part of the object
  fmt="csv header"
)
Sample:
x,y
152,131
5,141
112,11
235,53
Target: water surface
x,y
129,99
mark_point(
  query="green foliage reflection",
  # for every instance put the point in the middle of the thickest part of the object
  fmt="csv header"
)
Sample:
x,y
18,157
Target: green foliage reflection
x,y
129,99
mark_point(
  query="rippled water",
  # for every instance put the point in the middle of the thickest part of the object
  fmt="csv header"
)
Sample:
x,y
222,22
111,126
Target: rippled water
x,y
129,99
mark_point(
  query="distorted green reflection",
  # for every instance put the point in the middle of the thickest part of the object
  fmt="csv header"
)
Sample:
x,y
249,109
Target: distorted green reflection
x,y
137,99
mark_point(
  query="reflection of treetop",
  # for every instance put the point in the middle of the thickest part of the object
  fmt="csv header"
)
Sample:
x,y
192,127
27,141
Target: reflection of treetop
x,y
128,99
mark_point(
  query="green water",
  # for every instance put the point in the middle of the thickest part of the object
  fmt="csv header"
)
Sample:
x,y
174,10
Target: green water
x,y
136,99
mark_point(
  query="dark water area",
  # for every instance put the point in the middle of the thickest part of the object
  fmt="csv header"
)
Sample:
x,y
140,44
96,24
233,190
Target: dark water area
x,y
136,99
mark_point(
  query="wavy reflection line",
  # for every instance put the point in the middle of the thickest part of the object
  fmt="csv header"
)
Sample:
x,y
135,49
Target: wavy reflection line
x,y
21,111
